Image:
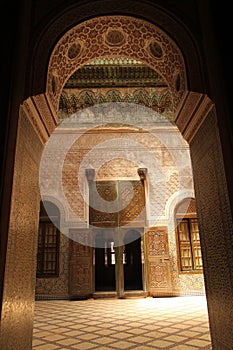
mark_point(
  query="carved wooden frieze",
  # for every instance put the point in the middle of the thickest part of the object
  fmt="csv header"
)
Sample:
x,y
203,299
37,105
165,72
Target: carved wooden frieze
x,y
75,99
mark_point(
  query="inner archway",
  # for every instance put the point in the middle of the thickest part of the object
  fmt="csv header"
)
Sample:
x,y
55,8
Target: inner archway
x,y
194,115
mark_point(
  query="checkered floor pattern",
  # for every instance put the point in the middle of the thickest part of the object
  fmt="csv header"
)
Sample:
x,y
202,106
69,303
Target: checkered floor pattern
x,y
177,323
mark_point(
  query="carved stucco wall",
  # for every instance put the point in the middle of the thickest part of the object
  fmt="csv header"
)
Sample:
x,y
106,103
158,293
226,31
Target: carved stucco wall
x,y
115,154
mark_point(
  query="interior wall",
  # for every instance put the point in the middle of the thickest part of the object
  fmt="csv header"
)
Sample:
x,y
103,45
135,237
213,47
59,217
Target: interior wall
x,y
62,178
20,272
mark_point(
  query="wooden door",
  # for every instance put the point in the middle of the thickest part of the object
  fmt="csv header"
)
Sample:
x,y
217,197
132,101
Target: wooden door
x,y
158,261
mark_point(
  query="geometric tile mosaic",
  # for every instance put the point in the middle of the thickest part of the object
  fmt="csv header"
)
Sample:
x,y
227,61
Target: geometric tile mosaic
x,y
176,323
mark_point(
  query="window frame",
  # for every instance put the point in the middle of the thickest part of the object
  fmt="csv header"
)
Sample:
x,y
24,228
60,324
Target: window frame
x,y
188,218
41,249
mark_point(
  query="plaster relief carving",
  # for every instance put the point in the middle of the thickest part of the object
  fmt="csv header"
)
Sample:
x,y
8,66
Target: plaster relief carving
x,y
116,36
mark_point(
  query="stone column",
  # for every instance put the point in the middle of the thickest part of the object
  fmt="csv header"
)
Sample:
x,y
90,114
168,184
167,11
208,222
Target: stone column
x,y
20,270
215,219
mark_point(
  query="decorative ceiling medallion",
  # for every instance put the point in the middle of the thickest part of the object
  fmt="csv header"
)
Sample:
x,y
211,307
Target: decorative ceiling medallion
x,y
115,37
155,49
74,50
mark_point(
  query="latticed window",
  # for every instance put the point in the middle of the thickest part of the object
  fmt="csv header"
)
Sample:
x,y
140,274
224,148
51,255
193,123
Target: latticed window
x,y
188,240
48,243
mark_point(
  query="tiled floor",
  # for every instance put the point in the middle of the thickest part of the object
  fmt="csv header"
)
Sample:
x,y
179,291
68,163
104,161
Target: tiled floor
x,y
179,323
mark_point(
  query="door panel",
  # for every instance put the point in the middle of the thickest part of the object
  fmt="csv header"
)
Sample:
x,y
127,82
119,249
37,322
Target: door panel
x,y
158,260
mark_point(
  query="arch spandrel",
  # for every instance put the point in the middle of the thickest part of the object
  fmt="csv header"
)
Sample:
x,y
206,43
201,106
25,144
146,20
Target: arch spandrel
x,y
116,36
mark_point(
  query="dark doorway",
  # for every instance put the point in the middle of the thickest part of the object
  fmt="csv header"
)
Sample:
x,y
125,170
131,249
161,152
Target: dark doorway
x,y
104,265
133,261
113,205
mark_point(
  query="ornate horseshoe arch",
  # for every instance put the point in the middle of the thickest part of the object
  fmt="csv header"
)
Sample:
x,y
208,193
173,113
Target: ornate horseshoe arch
x,y
118,36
